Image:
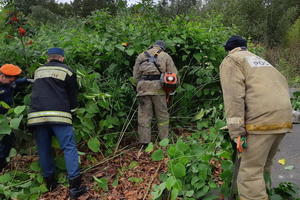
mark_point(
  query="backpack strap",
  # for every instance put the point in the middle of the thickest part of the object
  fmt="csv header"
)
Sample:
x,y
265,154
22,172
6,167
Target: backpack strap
x,y
153,59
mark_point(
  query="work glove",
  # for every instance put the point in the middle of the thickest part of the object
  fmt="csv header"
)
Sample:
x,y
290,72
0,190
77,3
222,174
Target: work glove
x,y
241,143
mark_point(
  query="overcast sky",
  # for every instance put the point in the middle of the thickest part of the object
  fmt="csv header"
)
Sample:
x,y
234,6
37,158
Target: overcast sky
x,y
129,1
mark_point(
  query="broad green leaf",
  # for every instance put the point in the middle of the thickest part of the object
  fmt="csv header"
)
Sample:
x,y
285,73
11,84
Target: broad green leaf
x,y
203,171
178,170
35,190
158,190
102,183
164,142
170,182
19,109
118,46
202,192
149,148
174,194
212,185
39,179
202,124
182,146
189,193
194,180
199,115
133,164
129,52
15,122
12,153
219,124
4,128
5,178
157,155
94,144
34,166
225,154
92,108
172,151
135,179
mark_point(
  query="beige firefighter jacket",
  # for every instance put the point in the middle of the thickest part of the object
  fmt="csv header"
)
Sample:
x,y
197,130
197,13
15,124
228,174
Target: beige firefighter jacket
x,y
256,95
152,87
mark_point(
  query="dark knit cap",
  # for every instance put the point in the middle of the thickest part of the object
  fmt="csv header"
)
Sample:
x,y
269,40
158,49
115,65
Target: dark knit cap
x,y
235,41
161,44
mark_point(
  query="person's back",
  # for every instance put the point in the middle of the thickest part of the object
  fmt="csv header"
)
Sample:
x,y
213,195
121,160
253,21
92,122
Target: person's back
x,y
144,68
55,90
45,92
267,102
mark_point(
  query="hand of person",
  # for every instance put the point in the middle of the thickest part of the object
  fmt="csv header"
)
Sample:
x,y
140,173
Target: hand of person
x,y
296,117
241,143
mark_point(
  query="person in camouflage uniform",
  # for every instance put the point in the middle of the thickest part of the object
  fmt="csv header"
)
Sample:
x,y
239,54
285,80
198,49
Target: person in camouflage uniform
x,y
147,71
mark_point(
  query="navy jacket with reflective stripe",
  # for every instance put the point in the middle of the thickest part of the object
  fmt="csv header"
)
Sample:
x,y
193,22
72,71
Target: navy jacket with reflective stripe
x,y
54,90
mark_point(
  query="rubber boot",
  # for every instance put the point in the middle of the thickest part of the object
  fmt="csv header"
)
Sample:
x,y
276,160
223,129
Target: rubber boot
x,y
76,189
51,182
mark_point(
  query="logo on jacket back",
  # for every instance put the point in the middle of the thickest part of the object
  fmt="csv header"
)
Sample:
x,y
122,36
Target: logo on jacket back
x,y
255,61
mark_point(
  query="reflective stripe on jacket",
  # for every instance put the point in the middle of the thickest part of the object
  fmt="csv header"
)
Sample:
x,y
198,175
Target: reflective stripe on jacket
x,y
49,116
256,95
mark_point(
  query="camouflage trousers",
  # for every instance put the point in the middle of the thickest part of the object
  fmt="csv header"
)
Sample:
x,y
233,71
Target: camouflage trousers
x,y
147,104
255,161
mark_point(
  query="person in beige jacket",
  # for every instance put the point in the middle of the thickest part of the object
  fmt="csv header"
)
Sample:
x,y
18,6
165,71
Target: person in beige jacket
x,y
258,110
147,70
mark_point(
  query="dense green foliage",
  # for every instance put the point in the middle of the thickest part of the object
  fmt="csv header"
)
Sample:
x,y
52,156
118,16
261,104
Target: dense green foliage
x,y
107,102
104,67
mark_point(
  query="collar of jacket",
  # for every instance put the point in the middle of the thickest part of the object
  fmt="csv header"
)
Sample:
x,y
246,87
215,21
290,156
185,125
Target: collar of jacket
x,y
236,50
51,61
156,47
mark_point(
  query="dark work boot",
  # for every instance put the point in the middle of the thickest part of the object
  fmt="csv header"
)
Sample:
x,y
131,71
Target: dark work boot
x,y
76,189
51,182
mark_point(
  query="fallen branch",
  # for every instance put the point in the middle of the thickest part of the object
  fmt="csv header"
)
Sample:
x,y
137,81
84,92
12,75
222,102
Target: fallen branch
x,y
150,183
122,151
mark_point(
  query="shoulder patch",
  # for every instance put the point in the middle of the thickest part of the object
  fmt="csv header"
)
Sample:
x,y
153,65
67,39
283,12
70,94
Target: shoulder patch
x,y
255,61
